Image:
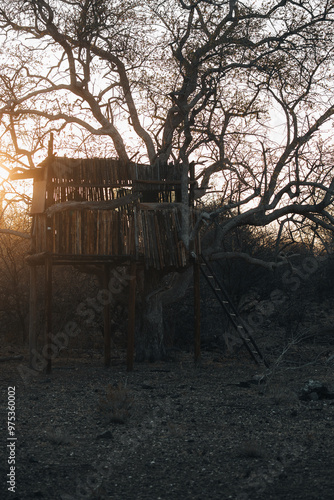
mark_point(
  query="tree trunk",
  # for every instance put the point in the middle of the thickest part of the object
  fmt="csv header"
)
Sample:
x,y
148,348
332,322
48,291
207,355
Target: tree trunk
x,y
156,292
150,337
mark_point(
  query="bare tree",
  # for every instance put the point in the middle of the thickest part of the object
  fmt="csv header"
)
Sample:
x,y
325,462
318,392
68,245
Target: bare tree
x,y
14,245
182,80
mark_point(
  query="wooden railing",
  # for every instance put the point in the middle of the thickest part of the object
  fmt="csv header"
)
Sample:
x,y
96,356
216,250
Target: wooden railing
x,y
150,234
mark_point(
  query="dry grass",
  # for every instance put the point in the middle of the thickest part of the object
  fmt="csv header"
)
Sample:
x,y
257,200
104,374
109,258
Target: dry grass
x,y
56,436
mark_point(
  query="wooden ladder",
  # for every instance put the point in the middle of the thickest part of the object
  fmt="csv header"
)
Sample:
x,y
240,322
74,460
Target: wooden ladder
x,y
243,331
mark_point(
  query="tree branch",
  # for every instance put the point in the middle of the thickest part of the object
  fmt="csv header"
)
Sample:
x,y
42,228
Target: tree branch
x,y
15,233
217,255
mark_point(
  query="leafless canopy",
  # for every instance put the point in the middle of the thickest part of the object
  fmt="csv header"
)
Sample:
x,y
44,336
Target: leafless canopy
x,y
241,88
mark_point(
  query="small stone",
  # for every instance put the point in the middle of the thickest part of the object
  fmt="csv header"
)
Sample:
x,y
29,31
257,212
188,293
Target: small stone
x,y
313,396
258,379
314,390
105,435
147,385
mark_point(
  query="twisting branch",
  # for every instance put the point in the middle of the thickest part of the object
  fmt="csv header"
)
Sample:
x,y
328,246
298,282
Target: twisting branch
x,y
15,233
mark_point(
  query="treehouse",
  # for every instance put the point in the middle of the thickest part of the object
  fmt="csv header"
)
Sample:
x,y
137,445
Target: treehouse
x,y
104,212
100,210
108,213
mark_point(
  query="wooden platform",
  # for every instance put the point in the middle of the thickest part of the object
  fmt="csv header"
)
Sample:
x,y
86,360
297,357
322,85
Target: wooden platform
x,y
107,213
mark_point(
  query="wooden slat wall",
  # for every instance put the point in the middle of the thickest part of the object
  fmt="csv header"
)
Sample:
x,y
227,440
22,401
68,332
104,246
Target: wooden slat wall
x,y
87,232
149,232
102,179
112,233
158,238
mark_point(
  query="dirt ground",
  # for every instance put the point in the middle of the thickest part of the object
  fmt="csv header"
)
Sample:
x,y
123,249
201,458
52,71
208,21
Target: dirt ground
x,y
171,430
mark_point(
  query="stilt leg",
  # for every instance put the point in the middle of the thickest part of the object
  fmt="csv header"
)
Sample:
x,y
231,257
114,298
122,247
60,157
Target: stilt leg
x,y
197,312
48,313
106,316
131,320
32,314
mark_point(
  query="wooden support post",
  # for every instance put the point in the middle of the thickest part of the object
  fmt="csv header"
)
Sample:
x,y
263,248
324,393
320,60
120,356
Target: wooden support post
x,y
48,312
197,312
32,315
50,148
106,317
192,184
131,319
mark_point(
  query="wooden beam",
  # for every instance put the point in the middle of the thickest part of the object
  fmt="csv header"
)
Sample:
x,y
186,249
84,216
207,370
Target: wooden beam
x,y
38,259
74,184
106,319
159,206
31,173
192,184
197,312
50,146
92,205
163,183
132,317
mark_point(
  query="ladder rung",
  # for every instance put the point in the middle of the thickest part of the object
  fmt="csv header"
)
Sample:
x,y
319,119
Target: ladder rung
x,y
228,306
